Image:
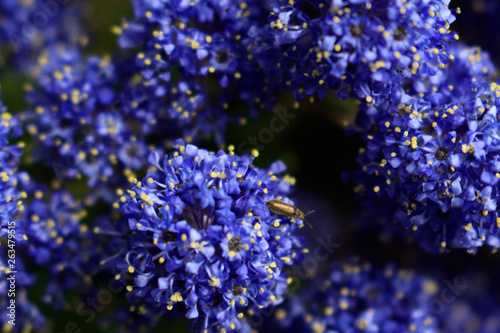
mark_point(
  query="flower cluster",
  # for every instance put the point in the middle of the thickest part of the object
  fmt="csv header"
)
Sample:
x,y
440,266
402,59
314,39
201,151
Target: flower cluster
x,y
123,320
435,152
368,46
358,297
199,59
79,120
27,27
24,310
12,230
10,195
57,241
202,236
49,235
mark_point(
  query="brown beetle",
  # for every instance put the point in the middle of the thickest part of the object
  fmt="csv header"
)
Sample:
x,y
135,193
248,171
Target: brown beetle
x,y
279,207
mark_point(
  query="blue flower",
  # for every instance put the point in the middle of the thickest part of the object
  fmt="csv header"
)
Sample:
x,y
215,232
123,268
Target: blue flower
x,y
27,27
433,150
77,119
200,59
58,241
369,46
26,314
203,237
358,297
483,312
11,195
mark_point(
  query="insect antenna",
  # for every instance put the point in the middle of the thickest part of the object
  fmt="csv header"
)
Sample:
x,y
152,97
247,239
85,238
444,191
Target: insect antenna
x,y
309,224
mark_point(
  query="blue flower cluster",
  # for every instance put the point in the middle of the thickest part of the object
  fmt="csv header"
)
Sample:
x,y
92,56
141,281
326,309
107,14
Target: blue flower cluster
x,y
12,230
360,298
473,316
356,297
477,25
79,119
26,27
199,59
50,236
10,195
434,150
47,234
366,46
24,310
202,236
58,241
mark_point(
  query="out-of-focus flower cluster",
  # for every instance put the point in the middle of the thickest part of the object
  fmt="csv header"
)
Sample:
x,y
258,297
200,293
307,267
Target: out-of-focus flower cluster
x,y
40,227
10,205
355,297
10,153
58,241
358,297
80,119
28,26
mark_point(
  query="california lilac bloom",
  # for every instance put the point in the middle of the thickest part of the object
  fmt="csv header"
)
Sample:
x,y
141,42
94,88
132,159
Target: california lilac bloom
x,y
450,84
367,46
202,238
10,195
13,231
359,297
76,118
58,241
53,239
70,91
26,314
435,154
27,27
198,59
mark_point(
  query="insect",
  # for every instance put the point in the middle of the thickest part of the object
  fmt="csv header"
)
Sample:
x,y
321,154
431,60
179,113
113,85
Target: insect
x,y
279,207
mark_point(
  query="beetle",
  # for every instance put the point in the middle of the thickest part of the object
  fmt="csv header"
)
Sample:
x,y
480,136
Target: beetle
x,y
279,207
